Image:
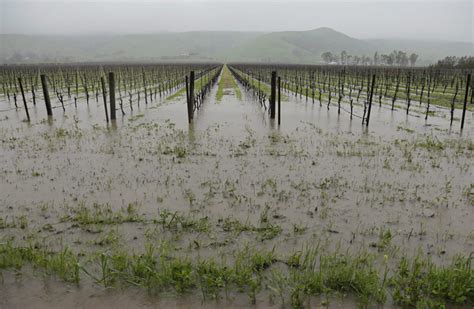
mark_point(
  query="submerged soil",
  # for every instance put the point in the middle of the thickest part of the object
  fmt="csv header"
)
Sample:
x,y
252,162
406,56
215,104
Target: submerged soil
x,y
317,178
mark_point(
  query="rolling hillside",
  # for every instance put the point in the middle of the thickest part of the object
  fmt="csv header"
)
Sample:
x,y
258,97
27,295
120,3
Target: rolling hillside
x,y
288,46
298,46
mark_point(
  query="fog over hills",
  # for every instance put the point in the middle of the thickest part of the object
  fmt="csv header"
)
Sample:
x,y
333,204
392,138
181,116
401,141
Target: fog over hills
x,y
222,46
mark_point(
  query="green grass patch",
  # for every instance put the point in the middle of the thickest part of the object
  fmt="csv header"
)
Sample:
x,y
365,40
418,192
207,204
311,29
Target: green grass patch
x,y
227,81
413,282
198,85
262,86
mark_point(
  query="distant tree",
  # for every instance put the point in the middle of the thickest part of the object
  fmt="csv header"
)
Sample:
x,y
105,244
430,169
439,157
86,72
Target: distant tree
x,y
327,57
466,62
376,58
356,60
450,62
405,60
349,59
366,60
343,57
400,57
397,57
413,58
393,57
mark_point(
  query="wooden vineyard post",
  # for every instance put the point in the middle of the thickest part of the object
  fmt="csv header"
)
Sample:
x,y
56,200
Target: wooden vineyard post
x,y
273,96
104,95
46,95
370,100
468,83
33,94
279,100
84,83
144,86
429,98
408,92
112,95
191,97
26,106
187,89
191,93
77,85
453,102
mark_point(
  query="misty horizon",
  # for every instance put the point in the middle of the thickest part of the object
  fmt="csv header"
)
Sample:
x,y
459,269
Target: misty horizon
x,y
104,33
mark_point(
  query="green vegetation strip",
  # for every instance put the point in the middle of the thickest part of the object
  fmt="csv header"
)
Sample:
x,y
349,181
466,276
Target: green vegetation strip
x,y
416,282
262,86
227,81
198,85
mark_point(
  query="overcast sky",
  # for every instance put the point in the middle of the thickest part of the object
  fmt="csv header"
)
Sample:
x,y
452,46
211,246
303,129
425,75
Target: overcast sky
x,y
446,20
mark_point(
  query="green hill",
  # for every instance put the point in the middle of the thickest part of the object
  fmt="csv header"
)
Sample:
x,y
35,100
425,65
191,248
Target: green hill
x,y
298,46
288,46
170,46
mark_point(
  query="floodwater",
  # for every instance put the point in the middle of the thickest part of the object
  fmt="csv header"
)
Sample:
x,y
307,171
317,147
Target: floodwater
x,y
318,172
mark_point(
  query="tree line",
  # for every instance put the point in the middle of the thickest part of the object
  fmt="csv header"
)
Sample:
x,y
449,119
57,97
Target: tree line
x,y
452,62
396,57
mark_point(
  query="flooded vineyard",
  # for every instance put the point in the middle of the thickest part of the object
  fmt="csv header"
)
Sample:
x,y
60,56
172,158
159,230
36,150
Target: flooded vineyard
x,y
233,208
